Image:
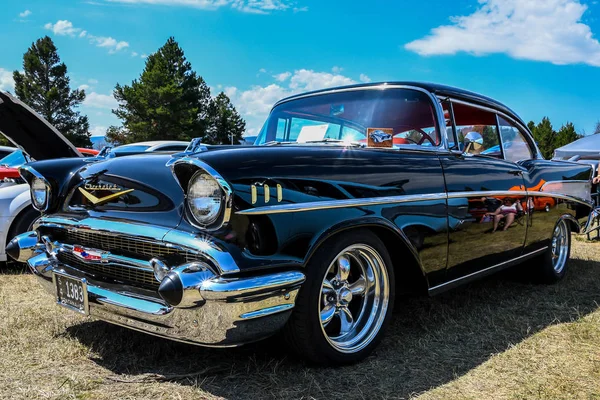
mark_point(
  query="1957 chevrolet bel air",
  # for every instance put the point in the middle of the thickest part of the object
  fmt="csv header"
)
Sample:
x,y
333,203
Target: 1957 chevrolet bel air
x,y
310,231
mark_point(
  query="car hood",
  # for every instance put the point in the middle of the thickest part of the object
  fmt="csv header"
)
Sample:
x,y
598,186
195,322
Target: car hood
x,y
32,133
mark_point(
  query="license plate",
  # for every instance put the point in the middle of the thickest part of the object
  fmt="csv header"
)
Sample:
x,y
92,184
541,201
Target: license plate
x,y
71,292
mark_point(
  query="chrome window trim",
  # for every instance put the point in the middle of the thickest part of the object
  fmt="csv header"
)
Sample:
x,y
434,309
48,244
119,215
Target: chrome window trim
x,y
438,115
531,142
374,201
36,174
225,187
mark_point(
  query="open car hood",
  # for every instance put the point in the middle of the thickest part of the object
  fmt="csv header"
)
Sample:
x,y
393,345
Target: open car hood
x,y
32,133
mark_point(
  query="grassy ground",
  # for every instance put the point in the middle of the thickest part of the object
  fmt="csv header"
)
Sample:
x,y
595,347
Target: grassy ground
x,y
501,338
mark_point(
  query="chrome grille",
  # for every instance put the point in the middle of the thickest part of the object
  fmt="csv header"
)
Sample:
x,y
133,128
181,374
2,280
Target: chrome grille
x,y
121,245
119,273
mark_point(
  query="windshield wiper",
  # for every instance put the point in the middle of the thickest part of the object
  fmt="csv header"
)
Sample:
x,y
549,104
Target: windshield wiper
x,y
329,140
275,143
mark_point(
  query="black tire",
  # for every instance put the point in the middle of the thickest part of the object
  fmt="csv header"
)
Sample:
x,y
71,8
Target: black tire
x,y
22,222
304,331
547,270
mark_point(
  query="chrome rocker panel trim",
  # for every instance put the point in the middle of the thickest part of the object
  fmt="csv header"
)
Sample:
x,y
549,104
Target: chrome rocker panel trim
x,y
233,311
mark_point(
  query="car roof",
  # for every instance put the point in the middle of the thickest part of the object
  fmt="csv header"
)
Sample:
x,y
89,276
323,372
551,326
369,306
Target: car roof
x,y
153,143
434,88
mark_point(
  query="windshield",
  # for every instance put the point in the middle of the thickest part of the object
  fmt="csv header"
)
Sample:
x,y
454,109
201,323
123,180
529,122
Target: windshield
x,y
398,116
14,159
130,149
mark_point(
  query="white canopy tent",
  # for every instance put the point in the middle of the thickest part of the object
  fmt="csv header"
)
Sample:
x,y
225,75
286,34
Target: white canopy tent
x,y
586,147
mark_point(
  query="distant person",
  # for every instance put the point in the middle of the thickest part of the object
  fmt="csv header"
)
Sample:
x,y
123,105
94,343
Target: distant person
x,y
507,211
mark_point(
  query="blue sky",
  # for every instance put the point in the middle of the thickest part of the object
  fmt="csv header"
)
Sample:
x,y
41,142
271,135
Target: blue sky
x,y
540,57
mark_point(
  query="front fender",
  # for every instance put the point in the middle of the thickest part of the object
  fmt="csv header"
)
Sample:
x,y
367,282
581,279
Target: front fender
x,y
369,222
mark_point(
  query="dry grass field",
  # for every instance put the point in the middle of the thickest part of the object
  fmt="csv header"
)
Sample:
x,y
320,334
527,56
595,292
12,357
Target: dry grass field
x,y
502,338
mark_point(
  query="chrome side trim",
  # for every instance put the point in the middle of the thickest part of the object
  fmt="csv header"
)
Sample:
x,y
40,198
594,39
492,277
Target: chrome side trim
x,y
373,201
174,163
574,188
199,244
470,276
332,204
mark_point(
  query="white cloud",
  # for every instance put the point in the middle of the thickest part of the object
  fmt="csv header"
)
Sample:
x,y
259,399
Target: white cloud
x,y
108,42
282,77
25,14
84,87
134,54
6,80
83,33
364,78
540,30
93,81
262,71
250,6
144,56
255,103
98,130
62,27
337,70
98,100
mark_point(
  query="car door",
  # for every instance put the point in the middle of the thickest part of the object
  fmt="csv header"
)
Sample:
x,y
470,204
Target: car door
x,y
486,195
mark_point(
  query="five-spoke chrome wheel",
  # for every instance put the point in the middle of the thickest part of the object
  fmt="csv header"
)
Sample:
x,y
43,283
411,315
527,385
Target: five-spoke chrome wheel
x,y
560,246
354,298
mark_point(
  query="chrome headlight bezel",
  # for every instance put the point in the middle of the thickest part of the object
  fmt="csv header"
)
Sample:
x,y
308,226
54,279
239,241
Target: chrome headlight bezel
x,y
40,193
213,203
31,176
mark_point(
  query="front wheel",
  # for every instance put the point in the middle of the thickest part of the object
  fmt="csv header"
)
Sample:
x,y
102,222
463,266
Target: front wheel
x,y
554,263
345,304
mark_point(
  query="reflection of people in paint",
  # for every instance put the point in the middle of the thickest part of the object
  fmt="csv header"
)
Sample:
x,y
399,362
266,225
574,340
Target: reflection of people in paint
x,y
508,210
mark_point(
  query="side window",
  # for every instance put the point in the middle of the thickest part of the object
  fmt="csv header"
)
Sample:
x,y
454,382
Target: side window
x,y
448,120
281,133
476,131
515,145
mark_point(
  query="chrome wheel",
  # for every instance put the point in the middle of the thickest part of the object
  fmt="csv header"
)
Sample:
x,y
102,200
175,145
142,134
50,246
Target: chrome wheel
x,y
560,246
354,298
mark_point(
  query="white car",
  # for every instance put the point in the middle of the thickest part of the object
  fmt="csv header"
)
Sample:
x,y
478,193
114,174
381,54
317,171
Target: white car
x,y
152,146
41,141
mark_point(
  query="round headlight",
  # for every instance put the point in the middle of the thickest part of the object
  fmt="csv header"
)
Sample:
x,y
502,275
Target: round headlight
x,y
39,194
204,198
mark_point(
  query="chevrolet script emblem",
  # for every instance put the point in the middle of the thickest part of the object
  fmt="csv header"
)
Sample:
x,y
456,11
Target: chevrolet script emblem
x,y
95,200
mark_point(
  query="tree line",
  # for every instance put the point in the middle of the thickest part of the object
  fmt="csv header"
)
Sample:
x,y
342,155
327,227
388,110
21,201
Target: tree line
x,y
169,100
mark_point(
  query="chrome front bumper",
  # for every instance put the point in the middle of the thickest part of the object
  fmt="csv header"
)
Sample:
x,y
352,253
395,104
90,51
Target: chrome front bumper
x,y
218,310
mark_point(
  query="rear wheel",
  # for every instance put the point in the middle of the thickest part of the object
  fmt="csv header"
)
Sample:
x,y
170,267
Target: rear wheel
x,y
554,263
345,304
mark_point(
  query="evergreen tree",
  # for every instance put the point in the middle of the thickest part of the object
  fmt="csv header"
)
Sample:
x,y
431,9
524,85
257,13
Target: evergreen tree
x,y
44,86
225,125
168,101
545,137
565,135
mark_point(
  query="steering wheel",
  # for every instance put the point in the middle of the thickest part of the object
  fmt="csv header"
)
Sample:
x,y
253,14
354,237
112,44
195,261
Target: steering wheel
x,y
424,136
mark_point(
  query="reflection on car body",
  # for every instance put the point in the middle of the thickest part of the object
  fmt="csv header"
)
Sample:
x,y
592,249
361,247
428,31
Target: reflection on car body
x,y
222,245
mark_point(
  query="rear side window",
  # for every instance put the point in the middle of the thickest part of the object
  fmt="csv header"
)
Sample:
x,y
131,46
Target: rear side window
x,y
476,131
515,145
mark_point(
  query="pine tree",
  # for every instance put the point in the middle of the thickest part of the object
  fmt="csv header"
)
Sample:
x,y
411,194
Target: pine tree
x,y
545,136
168,101
225,125
565,135
44,86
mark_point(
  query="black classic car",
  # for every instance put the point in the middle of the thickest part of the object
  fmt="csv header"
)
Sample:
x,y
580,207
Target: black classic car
x,y
312,231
